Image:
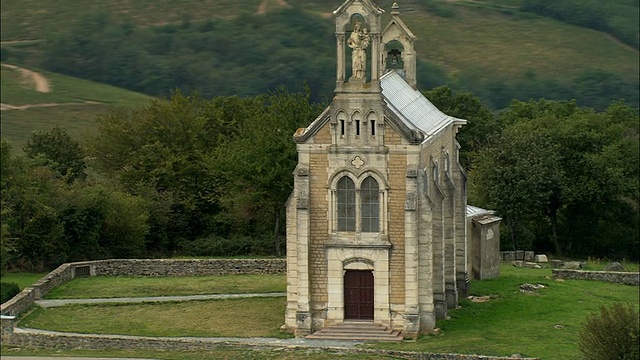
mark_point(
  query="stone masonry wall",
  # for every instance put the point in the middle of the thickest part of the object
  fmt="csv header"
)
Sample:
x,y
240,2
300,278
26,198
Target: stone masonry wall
x,y
318,207
627,278
28,295
41,339
188,267
397,195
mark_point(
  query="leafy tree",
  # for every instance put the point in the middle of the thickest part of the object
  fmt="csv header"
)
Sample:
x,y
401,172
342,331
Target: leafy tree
x,y
520,176
32,234
463,105
102,222
167,146
258,160
590,171
61,153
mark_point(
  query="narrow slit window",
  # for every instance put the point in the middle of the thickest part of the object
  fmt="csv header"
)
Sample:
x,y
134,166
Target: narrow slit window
x,y
357,127
341,127
373,127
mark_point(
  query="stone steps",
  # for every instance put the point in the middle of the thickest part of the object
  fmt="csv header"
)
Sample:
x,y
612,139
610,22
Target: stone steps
x,y
357,330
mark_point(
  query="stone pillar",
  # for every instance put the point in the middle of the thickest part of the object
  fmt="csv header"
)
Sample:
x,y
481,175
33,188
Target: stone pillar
x,y
340,66
460,222
439,299
425,260
451,290
411,306
375,59
7,323
303,311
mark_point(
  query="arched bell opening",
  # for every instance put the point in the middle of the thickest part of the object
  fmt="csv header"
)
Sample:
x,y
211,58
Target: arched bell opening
x,y
393,55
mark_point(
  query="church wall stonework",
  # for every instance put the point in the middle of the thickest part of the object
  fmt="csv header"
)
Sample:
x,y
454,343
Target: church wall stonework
x,y
397,167
318,166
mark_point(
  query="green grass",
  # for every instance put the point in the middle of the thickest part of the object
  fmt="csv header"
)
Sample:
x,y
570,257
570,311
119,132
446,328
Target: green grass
x,y
495,43
79,101
543,325
248,317
64,89
30,19
513,322
22,279
120,286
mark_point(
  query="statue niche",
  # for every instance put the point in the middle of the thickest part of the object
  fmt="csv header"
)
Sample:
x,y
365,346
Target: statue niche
x,y
359,41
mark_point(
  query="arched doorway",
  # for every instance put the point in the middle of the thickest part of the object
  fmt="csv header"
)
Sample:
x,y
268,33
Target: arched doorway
x,y
358,294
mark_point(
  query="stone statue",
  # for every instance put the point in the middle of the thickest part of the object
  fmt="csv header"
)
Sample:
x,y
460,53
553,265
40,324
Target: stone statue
x,y
359,41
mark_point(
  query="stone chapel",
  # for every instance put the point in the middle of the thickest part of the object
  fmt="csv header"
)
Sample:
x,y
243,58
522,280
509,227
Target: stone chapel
x,y
376,223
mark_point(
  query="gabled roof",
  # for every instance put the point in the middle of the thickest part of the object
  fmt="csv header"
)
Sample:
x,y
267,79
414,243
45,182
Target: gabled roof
x,y
367,3
413,108
395,20
407,110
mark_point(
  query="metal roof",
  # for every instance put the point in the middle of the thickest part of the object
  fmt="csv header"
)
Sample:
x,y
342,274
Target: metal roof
x,y
411,107
473,211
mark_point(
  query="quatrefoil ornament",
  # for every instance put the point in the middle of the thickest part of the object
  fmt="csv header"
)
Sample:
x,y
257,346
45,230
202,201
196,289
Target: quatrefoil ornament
x,y
357,162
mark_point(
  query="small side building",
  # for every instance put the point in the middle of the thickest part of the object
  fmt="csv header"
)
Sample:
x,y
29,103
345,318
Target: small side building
x,y
483,232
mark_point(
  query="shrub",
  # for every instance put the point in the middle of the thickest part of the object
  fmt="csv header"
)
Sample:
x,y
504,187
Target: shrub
x,y
7,291
611,334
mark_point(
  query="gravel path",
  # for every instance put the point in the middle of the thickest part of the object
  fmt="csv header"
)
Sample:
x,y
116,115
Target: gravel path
x,y
134,300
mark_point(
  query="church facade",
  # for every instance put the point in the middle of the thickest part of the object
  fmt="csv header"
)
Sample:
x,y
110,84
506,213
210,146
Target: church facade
x,y
376,223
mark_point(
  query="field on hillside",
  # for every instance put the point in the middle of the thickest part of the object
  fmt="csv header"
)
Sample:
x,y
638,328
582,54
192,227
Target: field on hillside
x,y
488,47
71,103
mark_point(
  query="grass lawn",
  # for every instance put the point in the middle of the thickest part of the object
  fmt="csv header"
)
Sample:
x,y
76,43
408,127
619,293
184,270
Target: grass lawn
x,y
22,279
543,325
235,317
124,286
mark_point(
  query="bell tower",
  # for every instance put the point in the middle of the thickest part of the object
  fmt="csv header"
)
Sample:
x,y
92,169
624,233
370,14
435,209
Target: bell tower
x,y
357,107
396,49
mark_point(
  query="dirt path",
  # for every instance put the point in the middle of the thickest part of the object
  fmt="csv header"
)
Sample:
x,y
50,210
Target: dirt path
x,y
262,8
29,106
41,83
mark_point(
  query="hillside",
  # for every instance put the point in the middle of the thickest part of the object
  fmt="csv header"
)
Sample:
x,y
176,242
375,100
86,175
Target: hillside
x,y
55,99
497,49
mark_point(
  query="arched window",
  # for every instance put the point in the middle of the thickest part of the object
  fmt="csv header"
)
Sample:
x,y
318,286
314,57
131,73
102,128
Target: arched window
x,y
346,194
370,205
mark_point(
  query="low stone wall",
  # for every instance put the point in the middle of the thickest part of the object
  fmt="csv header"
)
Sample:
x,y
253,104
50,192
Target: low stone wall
x,y
49,339
187,267
21,302
139,267
627,278
521,255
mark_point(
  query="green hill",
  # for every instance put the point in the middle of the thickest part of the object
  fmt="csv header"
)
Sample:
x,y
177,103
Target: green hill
x,y
70,102
497,49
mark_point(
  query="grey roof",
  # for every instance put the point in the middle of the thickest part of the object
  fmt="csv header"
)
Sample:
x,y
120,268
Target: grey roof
x,y
411,107
473,211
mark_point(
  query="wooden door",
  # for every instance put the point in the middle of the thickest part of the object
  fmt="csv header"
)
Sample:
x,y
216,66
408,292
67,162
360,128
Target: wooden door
x,y
358,294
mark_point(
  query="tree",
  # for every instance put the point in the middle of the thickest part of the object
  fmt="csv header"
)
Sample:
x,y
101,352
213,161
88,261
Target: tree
x,y
590,207
61,153
32,233
463,105
257,162
520,176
